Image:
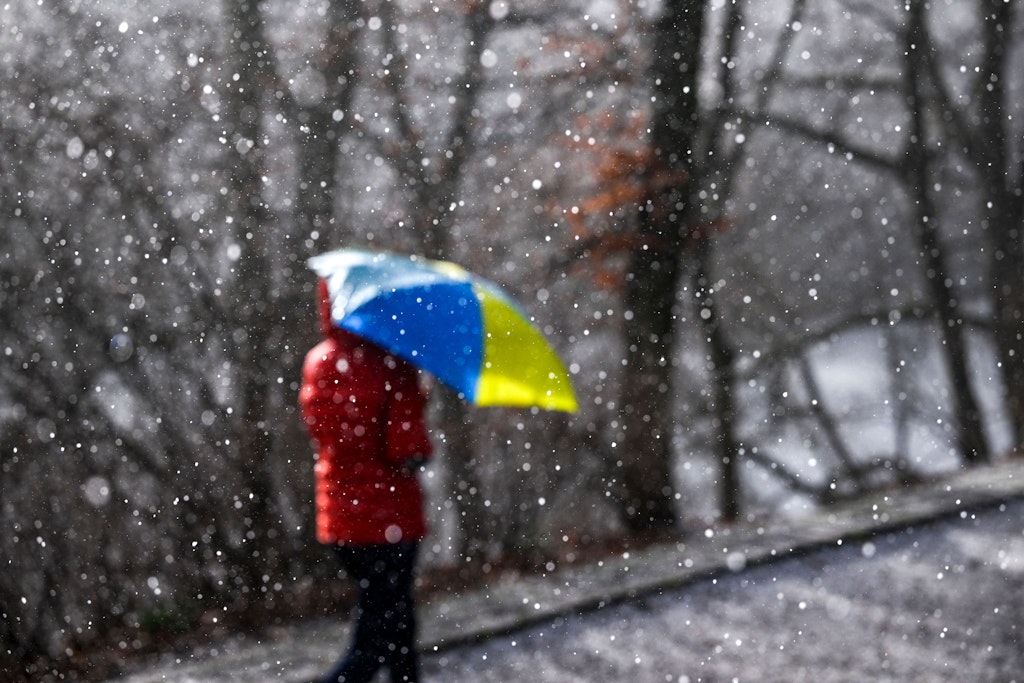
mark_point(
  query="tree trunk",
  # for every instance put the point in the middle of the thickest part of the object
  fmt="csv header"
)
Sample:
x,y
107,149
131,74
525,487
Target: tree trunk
x,y
644,488
722,406
1005,224
256,353
321,130
1003,183
435,192
464,485
970,434
645,491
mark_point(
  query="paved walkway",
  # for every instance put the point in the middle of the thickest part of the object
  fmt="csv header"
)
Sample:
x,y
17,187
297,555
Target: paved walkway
x,y
297,653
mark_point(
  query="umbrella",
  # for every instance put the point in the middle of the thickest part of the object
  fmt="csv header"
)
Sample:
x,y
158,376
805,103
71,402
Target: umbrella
x,y
457,326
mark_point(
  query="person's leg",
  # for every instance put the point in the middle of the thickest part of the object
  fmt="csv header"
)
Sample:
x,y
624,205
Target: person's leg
x,y
403,660
385,630
363,658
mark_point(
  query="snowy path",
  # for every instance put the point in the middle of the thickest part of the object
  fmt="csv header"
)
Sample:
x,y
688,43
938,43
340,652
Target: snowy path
x,y
938,603
869,591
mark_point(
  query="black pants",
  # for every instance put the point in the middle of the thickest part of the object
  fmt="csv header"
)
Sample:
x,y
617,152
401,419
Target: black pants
x,y
385,632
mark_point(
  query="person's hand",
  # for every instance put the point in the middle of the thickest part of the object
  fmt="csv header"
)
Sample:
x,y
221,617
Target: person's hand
x,y
413,464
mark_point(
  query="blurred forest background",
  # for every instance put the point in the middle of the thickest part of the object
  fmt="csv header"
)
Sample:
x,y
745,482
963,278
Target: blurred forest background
x,y
715,210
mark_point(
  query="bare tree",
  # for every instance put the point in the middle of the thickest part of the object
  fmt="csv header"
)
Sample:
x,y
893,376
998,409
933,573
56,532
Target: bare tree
x,y
971,440
645,490
927,104
982,128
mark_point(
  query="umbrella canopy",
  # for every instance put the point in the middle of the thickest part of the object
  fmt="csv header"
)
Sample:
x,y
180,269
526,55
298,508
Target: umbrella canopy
x,y
443,319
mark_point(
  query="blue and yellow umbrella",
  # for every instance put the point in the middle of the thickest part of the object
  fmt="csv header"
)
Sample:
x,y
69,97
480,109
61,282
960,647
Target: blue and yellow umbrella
x,y
443,319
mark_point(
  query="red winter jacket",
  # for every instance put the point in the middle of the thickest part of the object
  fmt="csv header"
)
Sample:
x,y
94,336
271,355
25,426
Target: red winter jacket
x,y
364,408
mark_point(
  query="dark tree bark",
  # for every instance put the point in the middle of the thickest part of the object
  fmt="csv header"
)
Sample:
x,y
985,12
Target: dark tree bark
x,y
1002,176
645,491
970,434
434,190
721,403
254,342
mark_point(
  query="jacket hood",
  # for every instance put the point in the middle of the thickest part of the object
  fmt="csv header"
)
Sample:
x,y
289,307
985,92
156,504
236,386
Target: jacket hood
x,y
323,301
327,326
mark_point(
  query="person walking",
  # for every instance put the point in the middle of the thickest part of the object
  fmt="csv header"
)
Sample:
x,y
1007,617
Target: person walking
x,y
364,409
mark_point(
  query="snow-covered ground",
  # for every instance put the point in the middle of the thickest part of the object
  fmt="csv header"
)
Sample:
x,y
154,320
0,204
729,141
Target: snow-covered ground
x,y
875,590
938,603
